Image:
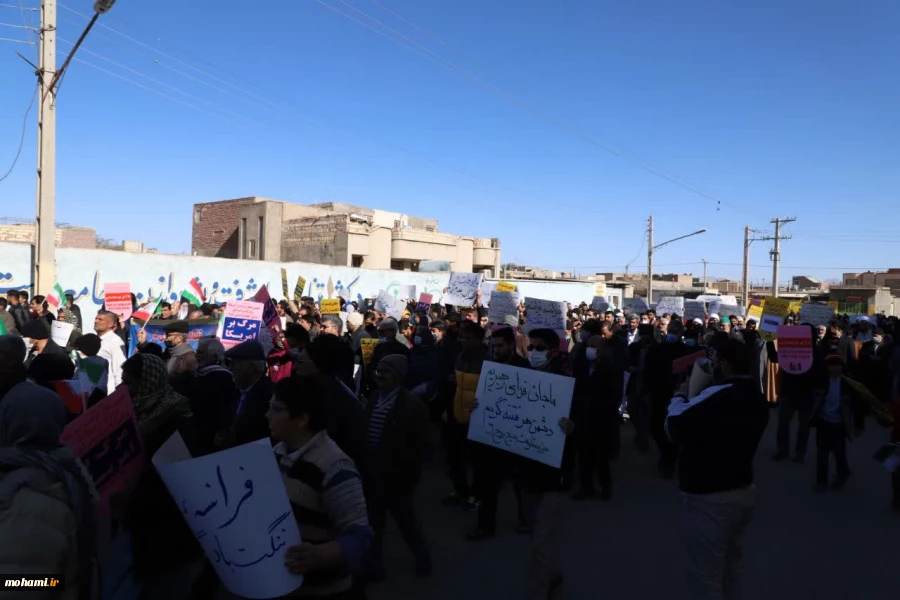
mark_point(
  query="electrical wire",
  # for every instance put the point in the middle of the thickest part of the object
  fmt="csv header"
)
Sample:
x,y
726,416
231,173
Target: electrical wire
x,y
22,136
26,42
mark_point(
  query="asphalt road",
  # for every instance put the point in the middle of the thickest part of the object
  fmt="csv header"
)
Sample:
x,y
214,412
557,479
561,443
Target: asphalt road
x,y
838,546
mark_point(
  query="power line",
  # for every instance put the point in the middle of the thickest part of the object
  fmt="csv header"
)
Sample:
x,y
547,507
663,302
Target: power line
x,y
450,66
26,42
22,136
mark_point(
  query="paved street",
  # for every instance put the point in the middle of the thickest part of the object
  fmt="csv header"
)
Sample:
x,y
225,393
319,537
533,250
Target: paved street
x,y
842,545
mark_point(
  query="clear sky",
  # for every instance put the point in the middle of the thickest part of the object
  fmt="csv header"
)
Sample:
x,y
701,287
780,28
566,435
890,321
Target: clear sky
x,y
528,121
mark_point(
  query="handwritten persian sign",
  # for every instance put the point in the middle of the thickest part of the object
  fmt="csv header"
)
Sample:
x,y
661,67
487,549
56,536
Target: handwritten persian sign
x,y
694,309
815,314
505,286
424,303
330,306
298,290
237,507
270,315
241,322
503,304
795,348
545,314
107,441
392,307
367,347
672,305
117,297
635,305
462,289
487,288
600,304
519,411
774,312
61,331
284,283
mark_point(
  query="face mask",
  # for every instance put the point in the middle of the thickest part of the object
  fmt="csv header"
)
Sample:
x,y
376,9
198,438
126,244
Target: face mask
x,y
672,338
591,354
417,340
539,359
690,342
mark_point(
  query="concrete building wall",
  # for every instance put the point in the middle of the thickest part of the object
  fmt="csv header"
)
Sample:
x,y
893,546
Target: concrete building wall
x,y
64,237
322,240
465,251
265,215
216,225
379,249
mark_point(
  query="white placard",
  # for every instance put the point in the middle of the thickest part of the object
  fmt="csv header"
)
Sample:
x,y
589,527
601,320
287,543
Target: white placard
x,y
545,314
487,290
503,304
407,292
392,307
237,507
61,332
694,309
463,288
726,310
815,314
635,306
673,305
519,411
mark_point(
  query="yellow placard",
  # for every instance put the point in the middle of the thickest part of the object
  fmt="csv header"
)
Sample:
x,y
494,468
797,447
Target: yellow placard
x,y
284,286
367,345
330,306
298,290
504,286
834,305
755,312
795,306
777,307
600,289
871,310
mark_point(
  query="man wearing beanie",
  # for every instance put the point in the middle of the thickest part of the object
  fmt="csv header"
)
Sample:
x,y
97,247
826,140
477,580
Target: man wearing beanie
x,y
38,331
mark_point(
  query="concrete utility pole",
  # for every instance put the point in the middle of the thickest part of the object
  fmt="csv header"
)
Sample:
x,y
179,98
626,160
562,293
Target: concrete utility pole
x,y
775,253
48,80
705,279
650,261
745,273
45,230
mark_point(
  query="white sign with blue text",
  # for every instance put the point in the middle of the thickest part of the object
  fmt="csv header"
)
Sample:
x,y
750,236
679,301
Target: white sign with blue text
x,y
462,289
236,505
519,411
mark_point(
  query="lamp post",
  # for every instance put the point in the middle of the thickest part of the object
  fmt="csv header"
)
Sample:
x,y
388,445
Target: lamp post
x,y
651,248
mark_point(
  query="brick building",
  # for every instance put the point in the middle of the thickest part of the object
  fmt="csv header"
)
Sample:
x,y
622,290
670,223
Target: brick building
x,y
66,236
889,279
332,233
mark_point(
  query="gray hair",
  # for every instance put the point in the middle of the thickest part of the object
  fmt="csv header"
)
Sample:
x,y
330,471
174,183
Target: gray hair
x,y
111,315
211,345
334,320
12,348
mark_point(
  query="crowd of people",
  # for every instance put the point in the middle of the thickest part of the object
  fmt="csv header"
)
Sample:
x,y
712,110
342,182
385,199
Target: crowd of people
x,y
353,428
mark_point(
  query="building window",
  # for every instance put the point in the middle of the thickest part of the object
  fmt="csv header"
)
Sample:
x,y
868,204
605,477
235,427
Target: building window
x,y
243,238
429,228
396,224
398,265
197,216
251,248
261,230
356,261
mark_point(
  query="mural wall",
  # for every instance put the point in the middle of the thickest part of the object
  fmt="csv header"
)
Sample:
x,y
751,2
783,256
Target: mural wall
x,y
83,273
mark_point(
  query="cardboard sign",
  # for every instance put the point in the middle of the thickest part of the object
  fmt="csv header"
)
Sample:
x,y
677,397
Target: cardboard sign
x,y
755,312
284,283
392,307
61,332
694,309
242,321
367,347
270,314
117,297
519,411
795,349
672,305
155,330
462,289
774,312
545,314
635,305
424,303
236,505
107,441
505,286
330,306
815,314
298,290
503,305
600,288
600,304
725,310
406,292
683,364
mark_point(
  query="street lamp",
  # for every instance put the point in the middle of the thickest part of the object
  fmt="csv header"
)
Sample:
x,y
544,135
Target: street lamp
x,y
651,248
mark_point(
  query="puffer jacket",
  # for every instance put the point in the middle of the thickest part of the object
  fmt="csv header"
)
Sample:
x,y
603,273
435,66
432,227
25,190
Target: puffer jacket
x,y
468,371
39,532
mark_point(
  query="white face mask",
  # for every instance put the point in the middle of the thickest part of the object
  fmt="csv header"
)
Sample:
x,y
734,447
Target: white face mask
x,y
539,359
591,354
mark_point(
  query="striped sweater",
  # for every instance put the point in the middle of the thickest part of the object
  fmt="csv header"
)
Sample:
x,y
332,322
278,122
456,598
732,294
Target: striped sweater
x,y
326,496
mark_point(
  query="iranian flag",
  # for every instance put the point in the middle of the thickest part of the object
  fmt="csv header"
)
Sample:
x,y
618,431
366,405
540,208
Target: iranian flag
x,y
92,375
3,330
148,311
194,293
56,297
72,394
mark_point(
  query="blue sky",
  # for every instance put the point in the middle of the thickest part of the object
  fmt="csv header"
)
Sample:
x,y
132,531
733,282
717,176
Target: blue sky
x,y
772,108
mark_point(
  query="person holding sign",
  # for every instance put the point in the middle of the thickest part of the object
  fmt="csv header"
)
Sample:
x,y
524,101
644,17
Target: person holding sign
x,y
324,488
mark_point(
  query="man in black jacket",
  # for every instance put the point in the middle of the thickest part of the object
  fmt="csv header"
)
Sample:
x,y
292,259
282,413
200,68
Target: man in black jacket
x,y
247,362
38,331
718,431
387,344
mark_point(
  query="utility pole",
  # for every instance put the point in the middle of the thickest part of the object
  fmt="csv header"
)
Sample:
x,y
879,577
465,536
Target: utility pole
x,y
745,273
705,279
650,261
45,229
775,253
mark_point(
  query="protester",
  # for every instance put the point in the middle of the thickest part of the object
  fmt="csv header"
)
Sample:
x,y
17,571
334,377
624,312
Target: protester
x,y
12,363
47,497
795,396
213,396
423,364
718,431
345,357
7,320
388,330
38,333
91,367
355,331
17,309
324,488
111,347
248,365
